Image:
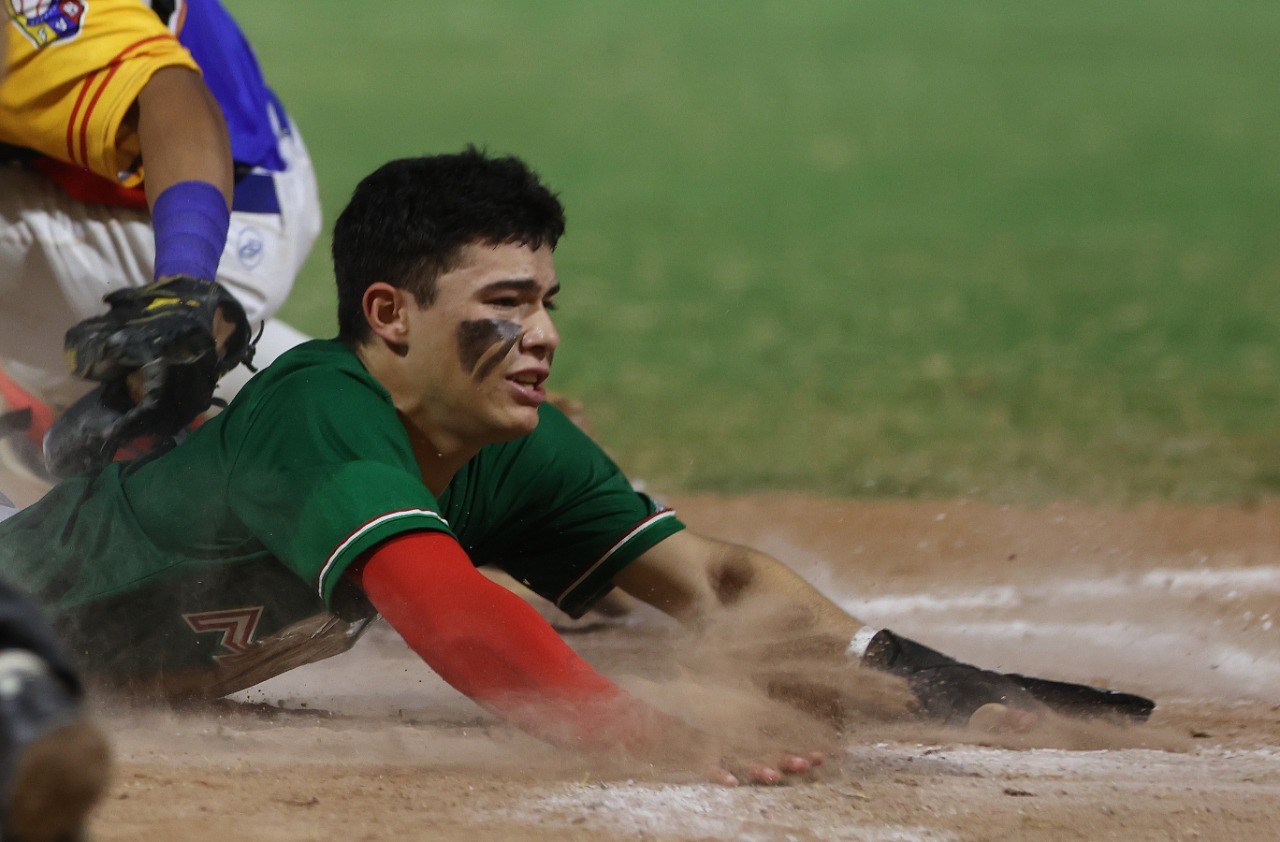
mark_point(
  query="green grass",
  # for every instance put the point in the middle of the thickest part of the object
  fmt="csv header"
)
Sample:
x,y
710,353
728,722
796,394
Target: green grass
x,y
1011,250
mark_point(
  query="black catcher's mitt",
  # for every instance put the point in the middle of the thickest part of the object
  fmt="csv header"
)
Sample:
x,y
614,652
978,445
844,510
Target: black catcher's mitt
x,y
155,355
951,691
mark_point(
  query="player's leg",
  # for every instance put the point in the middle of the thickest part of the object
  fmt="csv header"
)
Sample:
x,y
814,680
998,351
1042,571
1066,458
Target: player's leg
x,y
24,419
58,258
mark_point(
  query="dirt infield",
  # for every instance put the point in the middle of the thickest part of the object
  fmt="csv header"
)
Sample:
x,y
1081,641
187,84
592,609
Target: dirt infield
x,y
1178,604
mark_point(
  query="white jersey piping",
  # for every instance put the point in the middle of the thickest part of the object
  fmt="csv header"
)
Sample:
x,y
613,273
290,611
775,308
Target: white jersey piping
x,y
373,524
619,544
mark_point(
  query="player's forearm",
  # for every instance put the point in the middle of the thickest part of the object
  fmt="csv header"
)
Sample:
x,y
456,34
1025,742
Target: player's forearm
x,y
707,583
495,648
183,134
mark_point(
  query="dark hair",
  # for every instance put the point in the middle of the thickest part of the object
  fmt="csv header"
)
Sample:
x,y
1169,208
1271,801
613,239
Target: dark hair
x,y
408,220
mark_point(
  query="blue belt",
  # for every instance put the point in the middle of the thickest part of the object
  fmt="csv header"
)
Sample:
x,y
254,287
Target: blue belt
x,y
256,193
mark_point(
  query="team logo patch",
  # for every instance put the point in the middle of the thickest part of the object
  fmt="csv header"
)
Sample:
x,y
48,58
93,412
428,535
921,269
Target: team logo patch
x,y
250,247
46,22
237,626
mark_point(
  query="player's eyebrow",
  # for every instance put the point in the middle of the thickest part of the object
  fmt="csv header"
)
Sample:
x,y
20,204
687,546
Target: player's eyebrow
x,y
526,285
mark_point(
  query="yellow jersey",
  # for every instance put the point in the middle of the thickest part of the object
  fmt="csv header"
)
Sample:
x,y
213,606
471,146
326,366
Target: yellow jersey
x,y
75,68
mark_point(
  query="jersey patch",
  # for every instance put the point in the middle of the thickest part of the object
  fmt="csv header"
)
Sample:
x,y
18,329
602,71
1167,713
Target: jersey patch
x,y
46,22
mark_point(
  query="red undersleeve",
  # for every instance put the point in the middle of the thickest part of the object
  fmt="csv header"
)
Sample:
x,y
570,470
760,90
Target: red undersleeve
x,y
494,647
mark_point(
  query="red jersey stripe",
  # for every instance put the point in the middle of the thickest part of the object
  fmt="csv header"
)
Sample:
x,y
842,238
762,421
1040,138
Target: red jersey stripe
x,y
114,64
71,124
88,112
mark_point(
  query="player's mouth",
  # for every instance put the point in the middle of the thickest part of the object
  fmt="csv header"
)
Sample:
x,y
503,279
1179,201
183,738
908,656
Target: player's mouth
x,y
528,385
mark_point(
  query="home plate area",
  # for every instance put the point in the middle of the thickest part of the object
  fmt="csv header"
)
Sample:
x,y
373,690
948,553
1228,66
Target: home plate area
x,y
1173,603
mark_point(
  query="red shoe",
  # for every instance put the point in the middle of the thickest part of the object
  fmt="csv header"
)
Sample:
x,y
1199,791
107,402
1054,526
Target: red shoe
x,y
16,399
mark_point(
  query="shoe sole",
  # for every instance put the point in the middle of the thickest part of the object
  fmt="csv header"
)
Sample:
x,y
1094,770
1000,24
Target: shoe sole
x,y
59,780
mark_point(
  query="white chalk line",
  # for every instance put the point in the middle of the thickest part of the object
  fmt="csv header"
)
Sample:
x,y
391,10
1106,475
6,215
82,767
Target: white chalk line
x,y
1180,582
693,810
1136,766
707,811
1092,626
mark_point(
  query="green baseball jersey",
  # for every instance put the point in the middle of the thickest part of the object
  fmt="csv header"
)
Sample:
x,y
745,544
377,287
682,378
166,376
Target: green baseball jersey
x,y
228,551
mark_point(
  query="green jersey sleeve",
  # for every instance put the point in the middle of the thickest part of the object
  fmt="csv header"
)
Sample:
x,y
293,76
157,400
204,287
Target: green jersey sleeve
x,y
325,472
554,511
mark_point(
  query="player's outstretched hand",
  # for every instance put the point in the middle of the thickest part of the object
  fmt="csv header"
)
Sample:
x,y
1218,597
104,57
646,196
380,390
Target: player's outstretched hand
x,y
787,767
688,748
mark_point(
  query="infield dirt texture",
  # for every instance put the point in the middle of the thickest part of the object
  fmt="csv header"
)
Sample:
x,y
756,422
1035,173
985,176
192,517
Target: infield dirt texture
x,y
1176,603
970,311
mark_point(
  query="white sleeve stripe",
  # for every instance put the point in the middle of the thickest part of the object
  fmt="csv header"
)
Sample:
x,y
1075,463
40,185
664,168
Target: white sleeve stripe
x,y
363,530
621,542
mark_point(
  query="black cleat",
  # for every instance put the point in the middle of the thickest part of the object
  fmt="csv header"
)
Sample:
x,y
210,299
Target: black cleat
x,y
1085,700
54,763
951,691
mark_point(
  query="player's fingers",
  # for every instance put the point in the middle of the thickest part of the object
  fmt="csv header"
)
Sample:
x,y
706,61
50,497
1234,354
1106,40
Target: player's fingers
x,y
723,777
762,775
794,764
767,774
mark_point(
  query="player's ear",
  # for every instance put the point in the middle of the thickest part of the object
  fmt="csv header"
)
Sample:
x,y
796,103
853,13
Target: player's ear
x,y
385,309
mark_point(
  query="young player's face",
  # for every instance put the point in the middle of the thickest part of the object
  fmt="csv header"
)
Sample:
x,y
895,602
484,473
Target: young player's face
x,y
483,349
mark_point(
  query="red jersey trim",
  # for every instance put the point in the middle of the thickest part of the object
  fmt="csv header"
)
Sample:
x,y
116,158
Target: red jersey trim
x,y
364,529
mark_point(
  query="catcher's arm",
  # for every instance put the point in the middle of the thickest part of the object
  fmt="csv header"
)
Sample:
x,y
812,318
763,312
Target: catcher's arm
x,y
159,350
182,134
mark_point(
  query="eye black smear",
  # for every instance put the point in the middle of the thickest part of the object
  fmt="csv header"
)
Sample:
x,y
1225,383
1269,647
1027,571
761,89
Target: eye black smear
x,y
477,337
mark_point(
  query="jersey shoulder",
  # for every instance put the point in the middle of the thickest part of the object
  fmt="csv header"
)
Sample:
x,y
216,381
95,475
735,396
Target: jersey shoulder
x,y
74,70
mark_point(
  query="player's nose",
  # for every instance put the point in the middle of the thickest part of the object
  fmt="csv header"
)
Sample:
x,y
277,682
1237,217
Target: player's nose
x,y
541,334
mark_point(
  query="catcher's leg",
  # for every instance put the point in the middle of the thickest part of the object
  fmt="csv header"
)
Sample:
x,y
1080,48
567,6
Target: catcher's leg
x,y
22,412
24,419
58,259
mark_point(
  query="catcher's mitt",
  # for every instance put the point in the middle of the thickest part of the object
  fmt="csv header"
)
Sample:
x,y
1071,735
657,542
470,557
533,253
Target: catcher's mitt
x,y
156,356
951,690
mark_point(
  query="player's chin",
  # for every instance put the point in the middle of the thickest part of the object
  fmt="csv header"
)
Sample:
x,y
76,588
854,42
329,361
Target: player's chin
x,y
517,422
525,402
